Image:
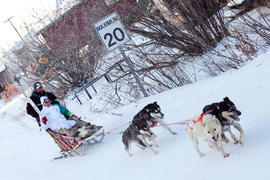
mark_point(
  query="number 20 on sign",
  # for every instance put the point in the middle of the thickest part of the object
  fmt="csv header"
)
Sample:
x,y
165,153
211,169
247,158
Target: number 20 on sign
x,y
111,31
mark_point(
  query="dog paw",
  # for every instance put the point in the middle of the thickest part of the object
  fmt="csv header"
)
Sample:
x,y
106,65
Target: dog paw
x,y
242,143
236,142
226,155
225,140
211,146
201,155
174,133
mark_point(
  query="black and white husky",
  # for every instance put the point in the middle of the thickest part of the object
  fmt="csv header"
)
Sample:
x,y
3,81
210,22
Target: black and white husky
x,y
226,112
139,131
151,114
141,135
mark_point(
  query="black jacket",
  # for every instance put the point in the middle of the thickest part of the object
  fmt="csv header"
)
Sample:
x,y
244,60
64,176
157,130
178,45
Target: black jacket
x,y
36,99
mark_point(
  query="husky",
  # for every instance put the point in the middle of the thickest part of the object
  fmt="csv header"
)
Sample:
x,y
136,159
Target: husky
x,y
226,112
208,127
139,134
80,130
151,114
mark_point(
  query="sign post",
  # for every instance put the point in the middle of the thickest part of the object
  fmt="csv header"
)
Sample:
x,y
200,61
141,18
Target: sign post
x,y
113,34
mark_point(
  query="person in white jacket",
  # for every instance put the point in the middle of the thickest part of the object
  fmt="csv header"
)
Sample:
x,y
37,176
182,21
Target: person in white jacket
x,y
52,118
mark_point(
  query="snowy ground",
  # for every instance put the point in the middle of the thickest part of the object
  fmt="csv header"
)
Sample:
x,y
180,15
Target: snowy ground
x,y
26,152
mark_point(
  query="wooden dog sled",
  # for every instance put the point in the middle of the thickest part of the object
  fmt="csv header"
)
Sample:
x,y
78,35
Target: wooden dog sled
x,y
69,145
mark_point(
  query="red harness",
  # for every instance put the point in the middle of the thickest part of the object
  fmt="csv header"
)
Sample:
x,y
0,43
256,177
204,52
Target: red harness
x,y
153,123
201,117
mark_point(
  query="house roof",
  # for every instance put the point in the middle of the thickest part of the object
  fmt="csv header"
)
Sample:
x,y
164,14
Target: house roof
x,y
59,18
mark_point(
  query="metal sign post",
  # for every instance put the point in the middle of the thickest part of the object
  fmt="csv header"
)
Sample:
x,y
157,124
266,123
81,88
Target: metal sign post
x,y
113,34
130,65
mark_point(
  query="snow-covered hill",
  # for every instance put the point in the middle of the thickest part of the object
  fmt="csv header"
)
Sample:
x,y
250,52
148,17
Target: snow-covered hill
x,y
26,152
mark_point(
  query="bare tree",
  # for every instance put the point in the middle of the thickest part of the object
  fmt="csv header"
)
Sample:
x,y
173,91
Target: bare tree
x,y
202,27
65,67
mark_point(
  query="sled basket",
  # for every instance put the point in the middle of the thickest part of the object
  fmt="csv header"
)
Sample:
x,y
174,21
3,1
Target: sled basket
x,y
69,145
66,143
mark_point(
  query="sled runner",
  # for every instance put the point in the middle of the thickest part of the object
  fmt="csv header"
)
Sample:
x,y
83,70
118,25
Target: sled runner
x,y
69,145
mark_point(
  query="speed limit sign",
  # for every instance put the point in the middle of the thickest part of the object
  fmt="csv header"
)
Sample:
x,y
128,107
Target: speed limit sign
x,y
113,35
111,31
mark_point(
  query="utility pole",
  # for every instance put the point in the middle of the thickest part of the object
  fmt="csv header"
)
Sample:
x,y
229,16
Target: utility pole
x,y
27,47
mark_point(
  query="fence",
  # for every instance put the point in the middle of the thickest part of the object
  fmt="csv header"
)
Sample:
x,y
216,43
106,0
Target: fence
x,y
91,83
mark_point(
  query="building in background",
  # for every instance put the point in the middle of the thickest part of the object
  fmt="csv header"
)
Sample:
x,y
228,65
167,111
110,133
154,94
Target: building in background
x,y
74,29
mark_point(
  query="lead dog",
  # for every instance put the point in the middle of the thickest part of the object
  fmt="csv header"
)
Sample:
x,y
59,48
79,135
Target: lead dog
x,y
138,133
226,112
151,114
209,129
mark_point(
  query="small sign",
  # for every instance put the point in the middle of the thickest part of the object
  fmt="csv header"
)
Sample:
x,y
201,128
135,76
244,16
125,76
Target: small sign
x,y
111,31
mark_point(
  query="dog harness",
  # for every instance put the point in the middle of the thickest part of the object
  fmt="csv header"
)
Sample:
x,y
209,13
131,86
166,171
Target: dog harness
x,y
153,123
201,117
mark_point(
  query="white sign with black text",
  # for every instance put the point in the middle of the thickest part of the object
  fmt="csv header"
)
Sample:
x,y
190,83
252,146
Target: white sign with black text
x,y
111,31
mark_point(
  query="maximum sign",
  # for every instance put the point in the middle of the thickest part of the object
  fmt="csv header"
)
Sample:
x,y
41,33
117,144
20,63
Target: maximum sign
x,y
111,31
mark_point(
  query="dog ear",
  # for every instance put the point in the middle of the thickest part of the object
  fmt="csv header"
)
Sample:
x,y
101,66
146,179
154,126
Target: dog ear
x,y
155,102
226,99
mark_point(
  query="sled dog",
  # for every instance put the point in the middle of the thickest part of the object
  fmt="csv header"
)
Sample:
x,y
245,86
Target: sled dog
x,y
209,129
226,112
140,134
151,114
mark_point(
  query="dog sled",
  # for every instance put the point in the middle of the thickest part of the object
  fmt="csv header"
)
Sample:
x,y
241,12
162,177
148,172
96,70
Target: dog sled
x,y
69,145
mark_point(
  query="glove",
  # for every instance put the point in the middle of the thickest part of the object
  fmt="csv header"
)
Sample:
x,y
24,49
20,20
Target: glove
x,y
73,117
55,101
44,120
38,121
